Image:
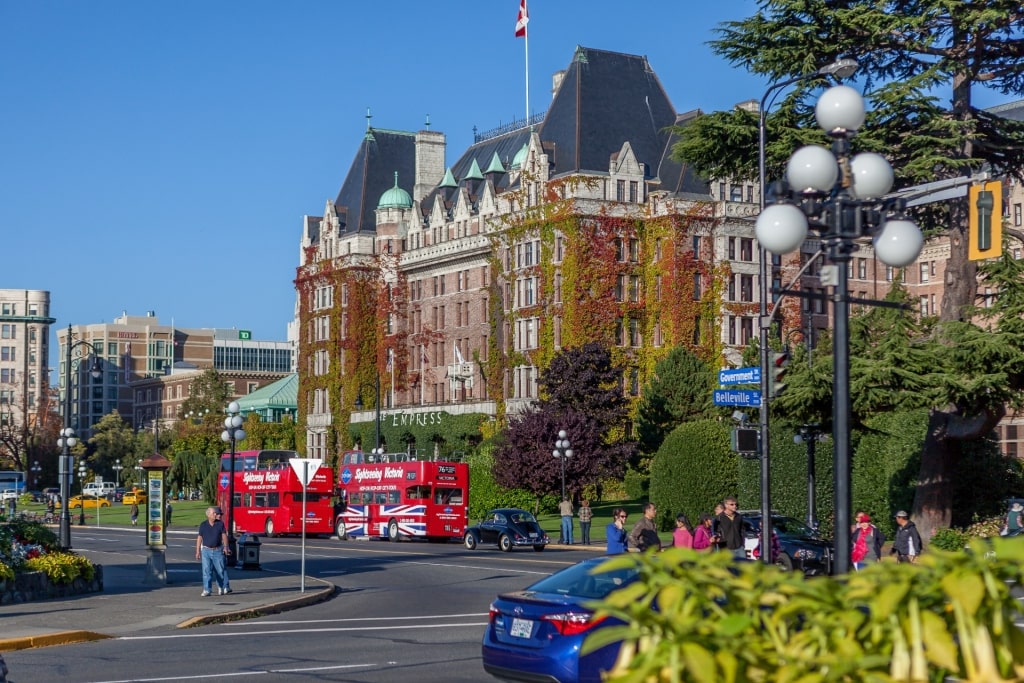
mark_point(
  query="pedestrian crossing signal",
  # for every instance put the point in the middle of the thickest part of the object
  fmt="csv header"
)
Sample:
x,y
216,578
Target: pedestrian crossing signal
x,y
985,221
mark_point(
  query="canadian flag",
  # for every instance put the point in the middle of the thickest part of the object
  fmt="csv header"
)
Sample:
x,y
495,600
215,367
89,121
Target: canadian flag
x,y
522,20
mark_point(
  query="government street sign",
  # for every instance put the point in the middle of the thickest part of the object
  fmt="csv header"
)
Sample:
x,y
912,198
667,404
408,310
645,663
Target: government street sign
x,y
740,376
737,397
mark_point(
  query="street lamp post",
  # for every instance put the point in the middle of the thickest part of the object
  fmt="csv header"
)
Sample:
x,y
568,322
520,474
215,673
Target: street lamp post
x,y
842,68
67,440
138,472
562,451
358,405
810,434
232,434
117,471
81,478
842,198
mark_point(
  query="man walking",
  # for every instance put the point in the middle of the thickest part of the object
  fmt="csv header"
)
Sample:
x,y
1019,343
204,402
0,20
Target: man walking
x,y
565,509
212,548
906,545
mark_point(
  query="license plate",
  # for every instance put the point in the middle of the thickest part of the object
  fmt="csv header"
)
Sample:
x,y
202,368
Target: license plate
x,y
534,535
521,628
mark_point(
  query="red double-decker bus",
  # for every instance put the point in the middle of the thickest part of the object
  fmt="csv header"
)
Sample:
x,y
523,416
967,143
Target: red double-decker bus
x,y
395,495
268,494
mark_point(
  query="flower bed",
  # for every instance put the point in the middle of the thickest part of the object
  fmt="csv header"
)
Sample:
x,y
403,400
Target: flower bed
x,y
33,567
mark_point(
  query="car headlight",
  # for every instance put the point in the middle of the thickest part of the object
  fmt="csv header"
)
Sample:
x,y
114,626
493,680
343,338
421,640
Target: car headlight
x,y
805,554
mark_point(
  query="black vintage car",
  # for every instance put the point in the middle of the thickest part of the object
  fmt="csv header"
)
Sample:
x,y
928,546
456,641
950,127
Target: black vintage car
x,y
507,528
802,548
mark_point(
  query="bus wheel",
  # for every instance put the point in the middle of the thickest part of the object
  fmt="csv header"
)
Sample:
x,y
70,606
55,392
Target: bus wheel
x,y
340,531
269,528
393,531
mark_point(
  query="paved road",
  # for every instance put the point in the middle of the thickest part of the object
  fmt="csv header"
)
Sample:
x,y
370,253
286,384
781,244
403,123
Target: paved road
x,y
398,610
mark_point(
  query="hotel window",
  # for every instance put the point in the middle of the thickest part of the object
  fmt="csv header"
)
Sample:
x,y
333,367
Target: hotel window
x,y
888,273
7,376
657,248
658,341
696,287
721,191
633,191
732,330
862,268
924,272
750,194
924,305
634,288
620,190
558,288
736,193
7,309
634,250
657,288
746,287
619,332
732,248
620,288
620,253
732,288
1016,214
8,331
7,353
559,249
746,250
746,330
634,381
634,332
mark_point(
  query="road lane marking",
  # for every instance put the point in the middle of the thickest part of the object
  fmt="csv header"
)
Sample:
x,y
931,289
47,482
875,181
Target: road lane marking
x,y
278,632
256,672
356,619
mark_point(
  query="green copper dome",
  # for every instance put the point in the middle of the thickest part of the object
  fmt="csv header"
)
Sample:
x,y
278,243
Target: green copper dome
x,y
519,158
395,198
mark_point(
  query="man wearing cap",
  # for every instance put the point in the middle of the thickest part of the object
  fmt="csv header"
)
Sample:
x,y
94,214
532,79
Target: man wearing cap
x,y
906,546
212,548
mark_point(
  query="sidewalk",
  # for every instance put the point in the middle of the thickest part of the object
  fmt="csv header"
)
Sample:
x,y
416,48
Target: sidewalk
x,y
126,606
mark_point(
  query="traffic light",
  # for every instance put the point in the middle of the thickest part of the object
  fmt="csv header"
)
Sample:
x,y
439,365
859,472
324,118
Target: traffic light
x,y
985,220
780,359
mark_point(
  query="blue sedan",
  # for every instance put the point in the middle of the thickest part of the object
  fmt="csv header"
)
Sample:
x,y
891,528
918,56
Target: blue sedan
x,y
535,634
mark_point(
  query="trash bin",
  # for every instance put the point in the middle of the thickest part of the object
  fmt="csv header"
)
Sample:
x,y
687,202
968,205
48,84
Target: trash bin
x,y
249,551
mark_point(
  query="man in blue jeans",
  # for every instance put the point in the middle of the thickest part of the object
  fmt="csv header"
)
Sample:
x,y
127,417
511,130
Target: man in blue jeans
x,y
212,548
565,509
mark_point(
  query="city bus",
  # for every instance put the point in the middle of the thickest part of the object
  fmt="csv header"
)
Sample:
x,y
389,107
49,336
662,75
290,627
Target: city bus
x,y
395,495
268,494
12,484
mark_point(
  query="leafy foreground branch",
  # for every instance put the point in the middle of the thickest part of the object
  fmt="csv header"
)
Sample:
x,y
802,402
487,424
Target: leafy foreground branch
x,y
704,618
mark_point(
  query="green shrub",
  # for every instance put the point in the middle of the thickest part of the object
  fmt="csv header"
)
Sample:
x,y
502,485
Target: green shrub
x,y
948,539
35,533
694,469
485,493
635,484
948,615
6,573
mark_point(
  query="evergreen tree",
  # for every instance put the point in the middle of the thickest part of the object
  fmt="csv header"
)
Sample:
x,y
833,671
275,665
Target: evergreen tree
x,y
680,390
920,63
112,439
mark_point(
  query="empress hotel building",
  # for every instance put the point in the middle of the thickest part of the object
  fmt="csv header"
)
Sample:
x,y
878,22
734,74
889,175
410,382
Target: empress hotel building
x,y
444,289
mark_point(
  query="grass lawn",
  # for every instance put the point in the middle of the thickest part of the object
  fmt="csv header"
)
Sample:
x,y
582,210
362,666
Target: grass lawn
x,y
185,514
552,522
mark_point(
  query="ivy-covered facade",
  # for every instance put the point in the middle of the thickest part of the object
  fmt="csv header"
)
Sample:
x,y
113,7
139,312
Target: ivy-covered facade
x,y
443,290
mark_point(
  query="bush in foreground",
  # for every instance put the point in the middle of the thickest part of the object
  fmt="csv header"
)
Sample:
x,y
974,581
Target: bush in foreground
x,y
949,615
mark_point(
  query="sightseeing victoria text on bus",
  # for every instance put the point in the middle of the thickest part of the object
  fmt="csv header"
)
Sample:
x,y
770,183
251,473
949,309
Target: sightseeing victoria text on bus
x,y
401,496
268,494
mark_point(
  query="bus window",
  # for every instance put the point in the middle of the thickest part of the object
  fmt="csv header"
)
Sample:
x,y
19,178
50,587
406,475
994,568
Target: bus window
x,y
448,496
381,498
394,497
418,492
367,498
273,499
260,500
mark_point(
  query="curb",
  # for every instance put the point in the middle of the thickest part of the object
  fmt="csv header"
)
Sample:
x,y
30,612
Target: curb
x,y
304,600
50,639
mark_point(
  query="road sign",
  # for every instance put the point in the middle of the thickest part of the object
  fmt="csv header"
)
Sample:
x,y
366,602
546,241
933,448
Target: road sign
x,y
739,376
737,397
305,468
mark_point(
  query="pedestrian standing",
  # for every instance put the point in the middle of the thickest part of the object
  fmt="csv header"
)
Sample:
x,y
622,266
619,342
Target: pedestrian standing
x,y
682,537
906,545
615,534
703,539
135,514
212,549
586,517
645,534
167,516
730,529
565,510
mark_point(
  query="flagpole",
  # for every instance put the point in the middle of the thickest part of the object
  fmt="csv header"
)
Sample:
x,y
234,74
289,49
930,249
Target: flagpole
x,y
526,45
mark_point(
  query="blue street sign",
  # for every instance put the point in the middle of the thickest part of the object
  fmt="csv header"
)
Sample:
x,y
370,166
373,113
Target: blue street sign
x,y
737,397
740,376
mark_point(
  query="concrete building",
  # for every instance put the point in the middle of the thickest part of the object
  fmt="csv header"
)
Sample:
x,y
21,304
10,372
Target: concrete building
x,y
24,353
148,367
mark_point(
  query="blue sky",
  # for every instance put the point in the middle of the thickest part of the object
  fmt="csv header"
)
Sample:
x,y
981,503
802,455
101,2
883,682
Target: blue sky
x,y
160,155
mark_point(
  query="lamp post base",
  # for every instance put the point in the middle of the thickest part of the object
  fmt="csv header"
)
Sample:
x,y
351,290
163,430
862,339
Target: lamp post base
x,y
156,566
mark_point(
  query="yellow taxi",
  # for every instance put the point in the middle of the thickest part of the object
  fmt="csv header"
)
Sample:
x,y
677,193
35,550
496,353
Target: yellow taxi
x,y
134,497
86,502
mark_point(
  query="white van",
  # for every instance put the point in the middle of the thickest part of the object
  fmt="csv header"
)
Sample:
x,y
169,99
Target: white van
x,y
99,488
